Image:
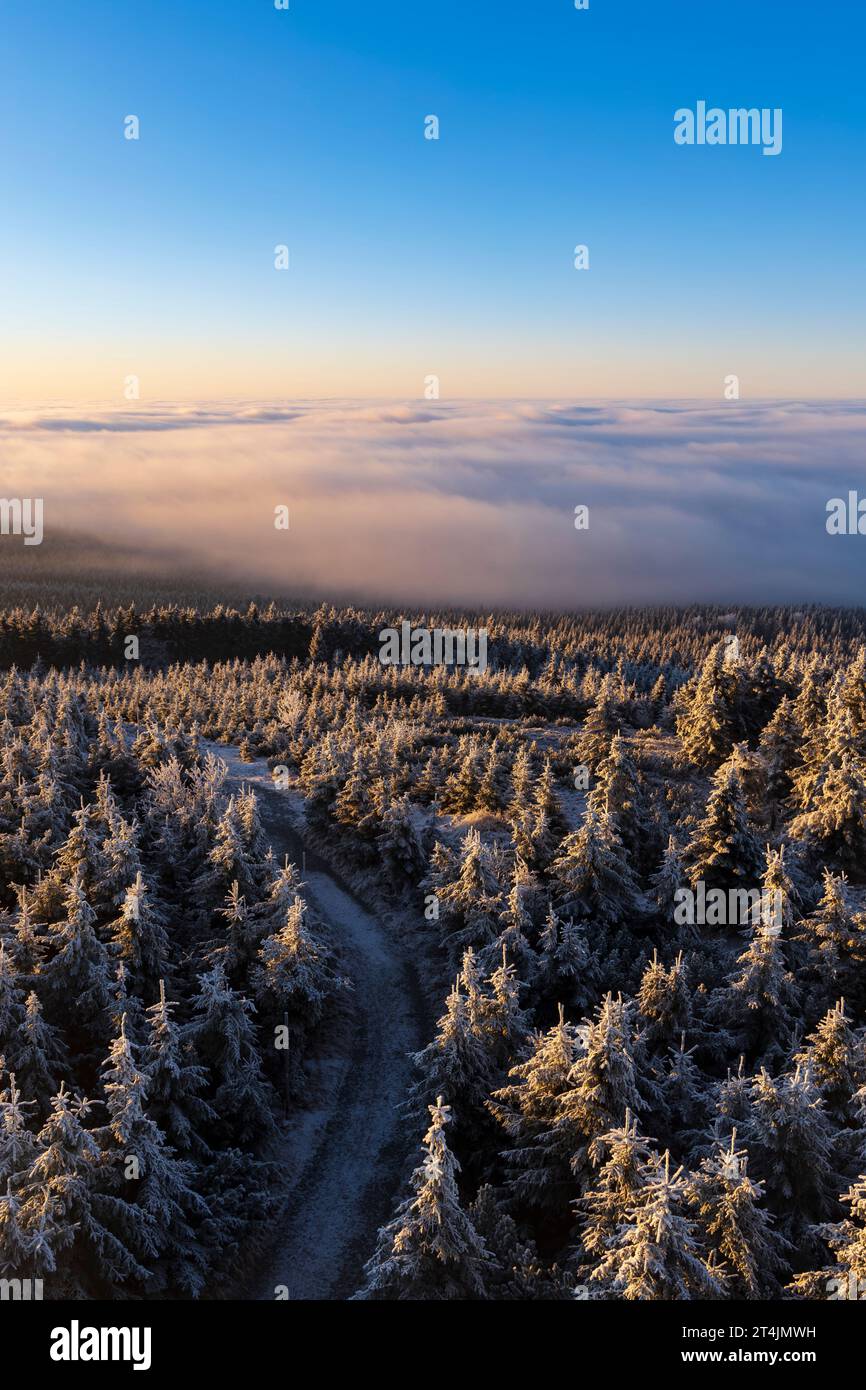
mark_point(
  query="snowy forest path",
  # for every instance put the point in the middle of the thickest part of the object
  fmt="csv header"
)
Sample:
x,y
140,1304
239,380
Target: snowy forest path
x,y
345,1156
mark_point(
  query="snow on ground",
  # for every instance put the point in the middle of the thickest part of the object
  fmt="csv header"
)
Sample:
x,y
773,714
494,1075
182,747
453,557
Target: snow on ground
x,y
344,1156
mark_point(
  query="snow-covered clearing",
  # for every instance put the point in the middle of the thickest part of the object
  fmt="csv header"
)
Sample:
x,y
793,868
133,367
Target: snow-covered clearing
x,y
343,1155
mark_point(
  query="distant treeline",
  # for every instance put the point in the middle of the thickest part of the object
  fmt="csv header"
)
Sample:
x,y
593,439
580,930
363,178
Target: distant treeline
x,y
674,641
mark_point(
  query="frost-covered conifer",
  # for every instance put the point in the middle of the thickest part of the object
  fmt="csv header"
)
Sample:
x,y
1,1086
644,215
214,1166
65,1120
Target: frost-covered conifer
x,y
835,939
758,1006
65,1180
831,792
601,724
836,1062
790,1140
78,976
431,1250
592,876
724,851
457,1058
225,1041
735,1225
624,1173
603,1083
293,973
567,967
846,1278
144,1174
664,1003
494,786
707,724
139,935
667,880
11,997
400,845
39,1054
655,1253
175,1081
18,1146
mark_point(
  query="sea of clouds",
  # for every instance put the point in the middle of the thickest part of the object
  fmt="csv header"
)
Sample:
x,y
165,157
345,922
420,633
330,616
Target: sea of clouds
x,y
464,502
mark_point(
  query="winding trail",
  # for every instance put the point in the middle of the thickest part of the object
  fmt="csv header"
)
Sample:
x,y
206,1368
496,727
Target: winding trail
x,y
345,1157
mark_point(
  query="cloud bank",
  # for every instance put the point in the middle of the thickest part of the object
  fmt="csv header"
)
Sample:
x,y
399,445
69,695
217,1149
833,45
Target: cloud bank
x,y
466,502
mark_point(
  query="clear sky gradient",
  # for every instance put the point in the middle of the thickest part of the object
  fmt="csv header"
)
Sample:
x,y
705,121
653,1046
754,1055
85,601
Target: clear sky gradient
x,y
412,257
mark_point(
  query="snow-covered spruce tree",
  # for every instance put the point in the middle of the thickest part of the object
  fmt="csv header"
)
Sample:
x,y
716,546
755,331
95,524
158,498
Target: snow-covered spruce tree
x,y
175,1081
400,845
504,1024
460,794
727,1205
835,1058
835,941
623,1176
724,852
458,1059
780,896
538,1165
522,781
619,796
141,1170
656,1253
121,861
852,692
603,1084
27,941
18,1145
602,723
791,1145
684,1095
779,746
11,998
592,876
471,916
516,926
64,1180
553,1164
80,857
292,975
831,792
22,1254
225,1040
567,968
758,1007
139,936
39,1055
548,806
494,784
663,1003
846,1277
231,860
707,724
431,1250
667,880
78,976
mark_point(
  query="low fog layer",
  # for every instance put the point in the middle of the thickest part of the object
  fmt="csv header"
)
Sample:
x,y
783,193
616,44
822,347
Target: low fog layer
x,y
464,502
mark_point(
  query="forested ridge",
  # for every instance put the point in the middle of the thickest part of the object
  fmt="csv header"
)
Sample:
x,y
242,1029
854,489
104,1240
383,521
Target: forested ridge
x,y
617,1103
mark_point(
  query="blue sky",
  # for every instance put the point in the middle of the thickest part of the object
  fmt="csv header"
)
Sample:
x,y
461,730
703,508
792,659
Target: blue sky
x,y
408,256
